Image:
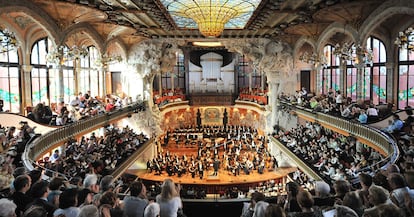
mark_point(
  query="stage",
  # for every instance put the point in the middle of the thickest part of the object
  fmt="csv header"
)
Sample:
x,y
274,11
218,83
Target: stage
x,y
223,177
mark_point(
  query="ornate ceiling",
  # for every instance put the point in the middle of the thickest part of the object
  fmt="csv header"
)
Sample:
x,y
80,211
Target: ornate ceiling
x,y
135,20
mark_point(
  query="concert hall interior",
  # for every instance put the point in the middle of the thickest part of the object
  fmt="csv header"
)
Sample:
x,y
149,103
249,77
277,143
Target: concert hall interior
x,y
231,101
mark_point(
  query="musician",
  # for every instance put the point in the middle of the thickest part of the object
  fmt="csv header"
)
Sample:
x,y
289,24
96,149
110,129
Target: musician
x,y
192,170
200,169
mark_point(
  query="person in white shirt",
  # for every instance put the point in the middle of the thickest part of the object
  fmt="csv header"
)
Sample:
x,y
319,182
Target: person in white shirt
x,y
339,100
372,113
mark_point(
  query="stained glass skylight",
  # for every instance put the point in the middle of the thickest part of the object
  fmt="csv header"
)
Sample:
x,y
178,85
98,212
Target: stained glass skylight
x,y
187,13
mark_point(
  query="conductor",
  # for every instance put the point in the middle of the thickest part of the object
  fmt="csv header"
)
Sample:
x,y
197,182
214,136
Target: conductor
x,y
216,165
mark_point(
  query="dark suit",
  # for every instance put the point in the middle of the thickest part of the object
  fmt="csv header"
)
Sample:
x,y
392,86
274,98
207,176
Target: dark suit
x,y
21,200
216,165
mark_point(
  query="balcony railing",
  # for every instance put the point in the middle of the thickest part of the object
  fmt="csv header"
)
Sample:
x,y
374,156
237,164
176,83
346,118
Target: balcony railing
x,y
373,137
46,142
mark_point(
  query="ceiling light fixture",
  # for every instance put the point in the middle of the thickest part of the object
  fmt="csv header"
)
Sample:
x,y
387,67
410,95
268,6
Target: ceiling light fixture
x,y
211,16
62,54
355,53
405,40
314,59
8,41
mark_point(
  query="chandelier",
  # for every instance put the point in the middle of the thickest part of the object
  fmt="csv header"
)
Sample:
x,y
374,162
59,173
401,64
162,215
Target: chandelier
x,y
405,40
8,41
355,53
211,16
62,54
106,60
313,59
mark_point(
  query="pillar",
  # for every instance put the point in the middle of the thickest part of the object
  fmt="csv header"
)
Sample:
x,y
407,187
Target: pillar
x,y
60,84
391,83
26,89
360,81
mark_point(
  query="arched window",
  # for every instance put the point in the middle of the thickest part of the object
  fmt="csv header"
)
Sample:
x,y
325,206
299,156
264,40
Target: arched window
x,y
9,80
377,71
330,75
42,89
89,75
374,81
405,78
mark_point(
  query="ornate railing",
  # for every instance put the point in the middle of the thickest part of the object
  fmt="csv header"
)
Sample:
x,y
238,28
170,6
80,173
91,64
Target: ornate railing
x,y
48,141
373,137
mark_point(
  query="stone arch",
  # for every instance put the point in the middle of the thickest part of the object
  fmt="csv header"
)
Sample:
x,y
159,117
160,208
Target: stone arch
x,y
303,40
89,30
334,28
119,43
383,12
35,13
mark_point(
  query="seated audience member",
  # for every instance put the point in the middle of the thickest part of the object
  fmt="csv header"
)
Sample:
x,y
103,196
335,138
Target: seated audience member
x,y
323,197
21,185
85,197
152,210
366,181
7,208
344,211
260,209
353,201
248,208
399,189
35,211
109,205
40,191
372,113
305,201
68,203
291,204
89,211
346,112
341,188
379,198
409,121
362,118
390,211
274,210
395,125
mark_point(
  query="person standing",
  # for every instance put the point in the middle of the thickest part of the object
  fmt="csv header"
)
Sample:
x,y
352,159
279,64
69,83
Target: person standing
x,y
216,165
339,100
134,205
169,199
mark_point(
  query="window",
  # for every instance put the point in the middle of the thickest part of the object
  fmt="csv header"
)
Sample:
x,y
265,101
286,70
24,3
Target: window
x,y
9,80
330,76
40,75
374,75
405,79
375,89
89,75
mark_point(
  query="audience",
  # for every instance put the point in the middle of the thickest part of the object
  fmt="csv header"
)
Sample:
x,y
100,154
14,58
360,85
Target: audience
x,y
169,199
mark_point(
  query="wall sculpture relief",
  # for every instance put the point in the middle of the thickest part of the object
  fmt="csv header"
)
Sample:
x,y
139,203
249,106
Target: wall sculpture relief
x,y
267,56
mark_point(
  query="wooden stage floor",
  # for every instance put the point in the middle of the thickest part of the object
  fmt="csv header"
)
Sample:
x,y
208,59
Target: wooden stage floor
x,y
223,177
